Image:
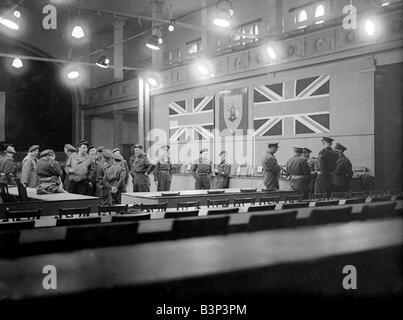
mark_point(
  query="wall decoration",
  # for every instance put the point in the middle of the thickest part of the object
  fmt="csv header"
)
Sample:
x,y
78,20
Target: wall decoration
x,y
233,111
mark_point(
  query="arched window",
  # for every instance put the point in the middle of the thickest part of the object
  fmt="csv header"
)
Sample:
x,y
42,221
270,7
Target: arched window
x,y
319,11
303,16
256,31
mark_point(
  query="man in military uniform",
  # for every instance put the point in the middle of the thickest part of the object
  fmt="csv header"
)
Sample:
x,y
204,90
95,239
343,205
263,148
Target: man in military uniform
x,y
327,160
103,163
126,167
202,170
344,170
99,172
7,166
271,169
49,173
222,171
298,172
28,170
163,170
313,167
141,169
68,150
114,179
81,169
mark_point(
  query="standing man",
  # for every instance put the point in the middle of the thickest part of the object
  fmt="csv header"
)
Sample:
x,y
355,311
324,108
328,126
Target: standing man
x,y
223,170
344,170
298,172
102,186
7,166
100,167
68,151
327,160
81,169
313,168
92,152
202,170
141,169
29,164
163,170
114,179
123,163
271,169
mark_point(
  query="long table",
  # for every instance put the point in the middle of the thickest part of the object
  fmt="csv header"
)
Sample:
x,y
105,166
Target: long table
x,y
49,203
196,195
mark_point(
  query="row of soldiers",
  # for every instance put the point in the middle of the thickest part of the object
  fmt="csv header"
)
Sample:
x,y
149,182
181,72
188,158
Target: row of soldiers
x,y
330,172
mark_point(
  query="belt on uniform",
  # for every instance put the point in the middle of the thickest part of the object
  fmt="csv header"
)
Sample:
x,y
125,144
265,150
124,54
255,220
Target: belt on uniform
x,y
297,177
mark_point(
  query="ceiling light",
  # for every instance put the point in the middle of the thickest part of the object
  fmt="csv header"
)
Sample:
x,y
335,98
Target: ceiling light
x,y
153,43
103,61
17,13
202,69
77,32
152,82
223,13
370,27
73,74
171,26
271,52
17,63
9,23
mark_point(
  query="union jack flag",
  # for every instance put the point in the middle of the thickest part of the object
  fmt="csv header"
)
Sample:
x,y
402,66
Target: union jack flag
x,y
292,107
191,119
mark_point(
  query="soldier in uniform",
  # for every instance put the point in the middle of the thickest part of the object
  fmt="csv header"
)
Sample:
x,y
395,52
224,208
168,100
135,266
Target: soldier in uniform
x,y
223,170
298,172
92,152
99,172
313,167
48,169
68,150
7,166
202,170
344,170
126,167
271,169
28,170
163,170
101,190
327,160
141,169
114,179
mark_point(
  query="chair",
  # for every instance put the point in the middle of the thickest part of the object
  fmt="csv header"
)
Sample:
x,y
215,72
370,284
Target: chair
x,y
340,195
381,198
326,203
215,191
378,211
323,216
155,206
16,215
187,205
395,192
77,221
355,200
218,202
222,211
269,200
242,201
358,194
295,205
317,196
121,208
181,214
131,217
248,190
4,194
17,225
269,207
22,192
293,198
376,193
272,221
199,227
170,194
108,234
70,212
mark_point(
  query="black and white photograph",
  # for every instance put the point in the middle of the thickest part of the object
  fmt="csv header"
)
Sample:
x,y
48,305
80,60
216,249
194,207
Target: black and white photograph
x,y
201,159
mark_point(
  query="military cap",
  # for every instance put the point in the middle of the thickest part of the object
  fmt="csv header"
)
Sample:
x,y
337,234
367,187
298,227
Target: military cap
x,y
203,150
47,152
165,147
117,156
91,147
223,153
70,148
137,146
273,144
33,148
115,150
107,153
83,142
306,150
100,148
10,149
297,149
328,139
339,146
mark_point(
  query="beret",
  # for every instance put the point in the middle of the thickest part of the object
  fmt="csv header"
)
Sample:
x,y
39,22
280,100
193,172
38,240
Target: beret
x,y
33,148
47,152
306,150
100,148
339,146
83,142
115,150
327,139
107,153
273,144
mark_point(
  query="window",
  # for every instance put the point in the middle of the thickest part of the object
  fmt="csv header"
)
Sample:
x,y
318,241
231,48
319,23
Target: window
x,y
256,30
303,16
319,11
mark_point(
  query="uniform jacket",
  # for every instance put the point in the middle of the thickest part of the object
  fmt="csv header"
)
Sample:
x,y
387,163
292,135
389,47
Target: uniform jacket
x,y
201,166
223,169
343,172
115,176
28,172
47,169
141,164
163,164
7,169
270,165
298,166
84,167
327,160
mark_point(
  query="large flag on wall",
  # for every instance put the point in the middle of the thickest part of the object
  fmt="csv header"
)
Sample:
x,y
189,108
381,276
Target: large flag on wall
x,y
191,119
292,107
